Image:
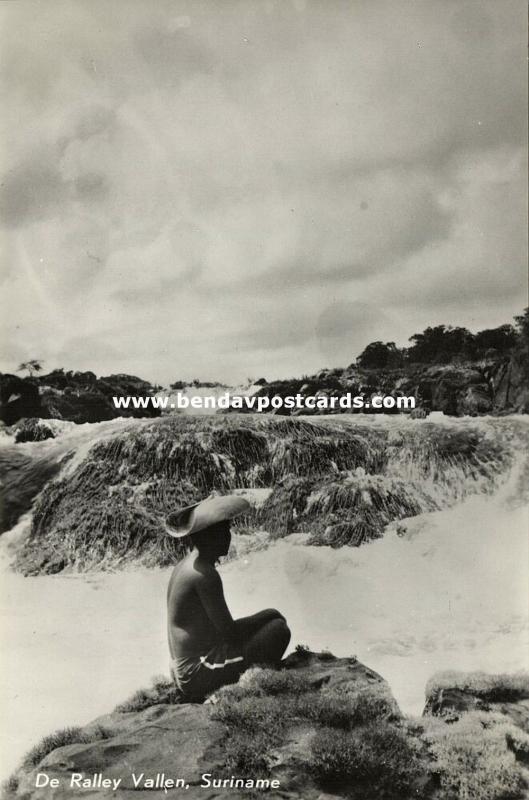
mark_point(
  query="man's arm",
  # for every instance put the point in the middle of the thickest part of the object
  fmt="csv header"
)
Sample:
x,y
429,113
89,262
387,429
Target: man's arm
x,y
211,594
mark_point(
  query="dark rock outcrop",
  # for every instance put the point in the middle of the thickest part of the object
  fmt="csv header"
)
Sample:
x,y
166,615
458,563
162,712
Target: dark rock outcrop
x,y
75,396
510,385
19,397
33,430
319,727
82,397
190,740
496,386
499,386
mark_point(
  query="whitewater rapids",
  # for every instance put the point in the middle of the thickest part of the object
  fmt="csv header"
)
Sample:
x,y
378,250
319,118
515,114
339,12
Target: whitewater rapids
x,y
448,590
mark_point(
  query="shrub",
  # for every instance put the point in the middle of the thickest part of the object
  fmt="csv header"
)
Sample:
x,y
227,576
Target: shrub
x,y
163,690
326,655
61,738
328,710
248,756
10,785
472,757
273,682
252,716
379,759
302,651
336,709
518,742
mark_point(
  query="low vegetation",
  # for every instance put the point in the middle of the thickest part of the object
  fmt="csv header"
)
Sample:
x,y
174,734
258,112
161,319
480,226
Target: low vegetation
x,y
493,688
61,738
346,737
379,759
359,737
162,690
478,757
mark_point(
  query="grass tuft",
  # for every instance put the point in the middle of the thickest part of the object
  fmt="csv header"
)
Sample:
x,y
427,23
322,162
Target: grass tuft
x,y
162,690
271,682
10,786
253,716
248,756
61,738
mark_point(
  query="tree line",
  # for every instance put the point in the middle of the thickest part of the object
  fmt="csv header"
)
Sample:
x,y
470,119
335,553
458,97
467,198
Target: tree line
x,y
444,344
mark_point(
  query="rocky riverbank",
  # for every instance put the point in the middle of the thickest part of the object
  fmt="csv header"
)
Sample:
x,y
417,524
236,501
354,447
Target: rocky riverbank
x,y
75,396
496,385
318,727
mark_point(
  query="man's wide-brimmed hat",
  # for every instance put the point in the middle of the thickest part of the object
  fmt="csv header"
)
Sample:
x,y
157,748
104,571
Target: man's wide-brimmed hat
x,y
201,515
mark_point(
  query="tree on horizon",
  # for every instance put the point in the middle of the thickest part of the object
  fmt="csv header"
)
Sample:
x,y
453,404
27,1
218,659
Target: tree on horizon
x,y
380,355
32,366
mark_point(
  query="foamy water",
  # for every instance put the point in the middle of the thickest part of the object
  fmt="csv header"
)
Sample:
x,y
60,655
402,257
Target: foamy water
x,y
450,593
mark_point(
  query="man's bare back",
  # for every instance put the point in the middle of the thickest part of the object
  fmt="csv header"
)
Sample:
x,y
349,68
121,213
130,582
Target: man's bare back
x,y
198,617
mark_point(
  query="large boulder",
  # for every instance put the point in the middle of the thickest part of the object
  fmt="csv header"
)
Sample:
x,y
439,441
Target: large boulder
x,y
320,727
475,400
275,726
19,397
510,385
33,430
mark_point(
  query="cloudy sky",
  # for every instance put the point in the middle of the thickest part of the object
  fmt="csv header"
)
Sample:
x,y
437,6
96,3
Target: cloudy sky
x,y
256,188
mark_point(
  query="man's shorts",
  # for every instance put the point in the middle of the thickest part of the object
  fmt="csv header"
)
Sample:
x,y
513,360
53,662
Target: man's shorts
x,y
198,676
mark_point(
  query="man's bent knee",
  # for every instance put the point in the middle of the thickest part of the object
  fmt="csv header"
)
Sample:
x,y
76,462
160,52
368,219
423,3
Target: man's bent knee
x,y
273,613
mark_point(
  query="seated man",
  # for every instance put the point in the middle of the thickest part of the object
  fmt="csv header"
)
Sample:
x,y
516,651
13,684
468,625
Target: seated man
x,y
208,647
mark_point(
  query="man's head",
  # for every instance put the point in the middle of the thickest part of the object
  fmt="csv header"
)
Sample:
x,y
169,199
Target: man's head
x,y
207,524
213,541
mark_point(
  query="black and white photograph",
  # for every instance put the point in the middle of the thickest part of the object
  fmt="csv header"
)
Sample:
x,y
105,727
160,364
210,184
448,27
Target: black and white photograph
x,y
264,400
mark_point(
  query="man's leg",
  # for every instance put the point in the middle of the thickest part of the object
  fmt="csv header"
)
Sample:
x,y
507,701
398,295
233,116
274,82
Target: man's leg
x,y
248,626
268,642
262,639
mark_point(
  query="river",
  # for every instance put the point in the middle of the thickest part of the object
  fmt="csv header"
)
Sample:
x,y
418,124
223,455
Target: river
x,y
447,592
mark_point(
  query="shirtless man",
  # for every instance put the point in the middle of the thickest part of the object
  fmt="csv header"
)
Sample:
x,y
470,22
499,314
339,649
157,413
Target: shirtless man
x,y
208,647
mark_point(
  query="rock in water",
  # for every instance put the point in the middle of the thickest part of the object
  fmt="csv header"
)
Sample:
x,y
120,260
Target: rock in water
x,y
33,430
19,397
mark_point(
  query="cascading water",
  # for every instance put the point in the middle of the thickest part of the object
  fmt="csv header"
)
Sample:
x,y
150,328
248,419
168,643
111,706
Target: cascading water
x,y
443,590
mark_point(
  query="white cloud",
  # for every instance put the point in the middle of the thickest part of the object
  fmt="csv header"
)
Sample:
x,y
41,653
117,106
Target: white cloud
x,y
216,190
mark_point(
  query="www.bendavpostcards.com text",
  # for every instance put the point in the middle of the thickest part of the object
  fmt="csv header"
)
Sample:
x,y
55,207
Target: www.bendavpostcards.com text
x,y
260,403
